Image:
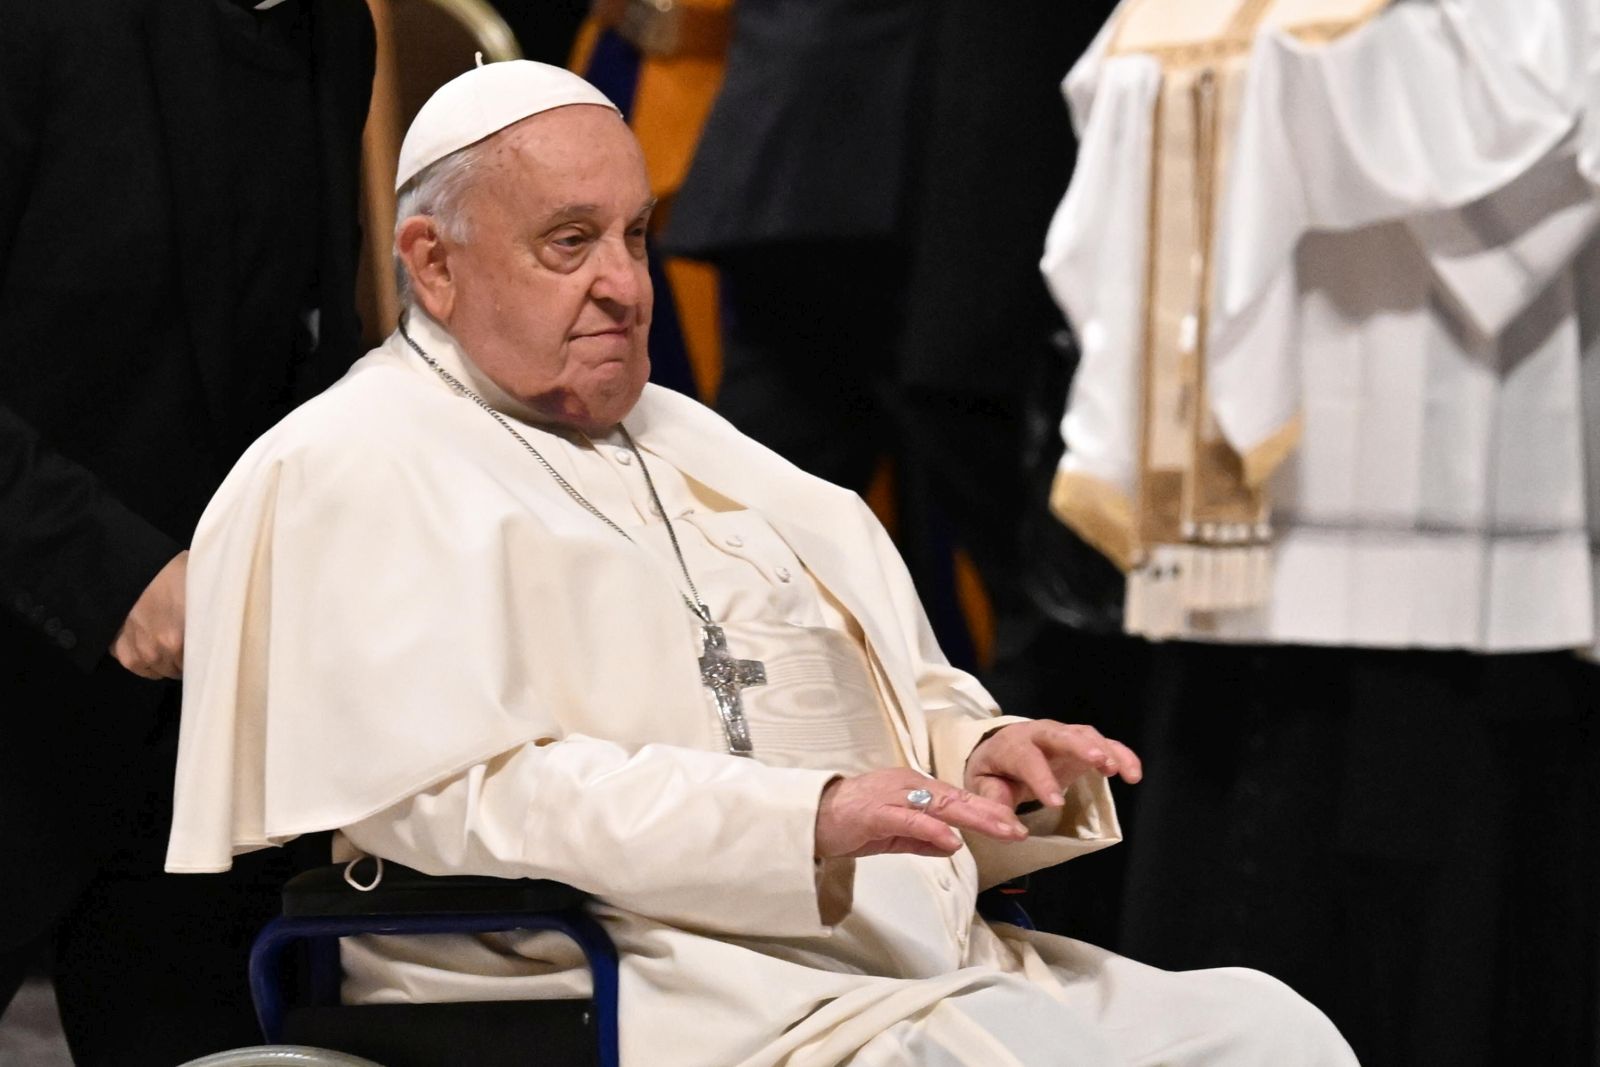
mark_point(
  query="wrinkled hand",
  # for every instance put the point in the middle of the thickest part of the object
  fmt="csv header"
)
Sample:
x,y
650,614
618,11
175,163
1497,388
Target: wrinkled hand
x,y
150,642
1039,760
869,814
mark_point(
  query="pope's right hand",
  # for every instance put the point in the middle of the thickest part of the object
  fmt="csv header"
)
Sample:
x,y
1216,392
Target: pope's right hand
x,y
150,642
870,814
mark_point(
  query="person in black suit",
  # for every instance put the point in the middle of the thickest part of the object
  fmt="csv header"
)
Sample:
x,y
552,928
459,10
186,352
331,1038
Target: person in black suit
x,y
178,249
874,183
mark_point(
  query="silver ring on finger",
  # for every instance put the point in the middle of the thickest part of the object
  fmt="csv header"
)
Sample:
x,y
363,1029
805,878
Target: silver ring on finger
x,y
919,799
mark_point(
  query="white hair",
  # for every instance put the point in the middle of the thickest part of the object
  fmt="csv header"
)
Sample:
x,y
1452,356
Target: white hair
x,y
437,191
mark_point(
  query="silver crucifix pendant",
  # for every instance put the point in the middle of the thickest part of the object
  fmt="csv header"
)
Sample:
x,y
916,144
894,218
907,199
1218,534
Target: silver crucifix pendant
x,y
725,677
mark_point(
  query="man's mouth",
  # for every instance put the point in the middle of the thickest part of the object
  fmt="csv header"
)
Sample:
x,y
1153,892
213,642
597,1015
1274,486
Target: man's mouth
x,y
615,331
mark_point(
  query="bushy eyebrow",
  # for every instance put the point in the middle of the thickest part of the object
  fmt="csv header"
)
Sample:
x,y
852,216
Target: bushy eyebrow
x,y
575,212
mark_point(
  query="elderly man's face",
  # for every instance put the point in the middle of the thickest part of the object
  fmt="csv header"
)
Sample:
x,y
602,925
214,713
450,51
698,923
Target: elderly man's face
x,y
550,295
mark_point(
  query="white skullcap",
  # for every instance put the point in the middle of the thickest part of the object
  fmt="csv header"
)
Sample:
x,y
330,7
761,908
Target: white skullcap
x,y
486,100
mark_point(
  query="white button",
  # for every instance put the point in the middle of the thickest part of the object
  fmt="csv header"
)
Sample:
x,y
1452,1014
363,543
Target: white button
x,y
783,574
624,457
734,542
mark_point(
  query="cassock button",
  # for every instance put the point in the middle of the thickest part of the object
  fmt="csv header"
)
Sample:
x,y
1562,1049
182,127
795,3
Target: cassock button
x,y
734,542
67,640
624,457
23,603
783,574
52,627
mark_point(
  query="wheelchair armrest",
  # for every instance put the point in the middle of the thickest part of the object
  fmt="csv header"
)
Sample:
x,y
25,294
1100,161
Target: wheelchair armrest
x,y
323,892
320,906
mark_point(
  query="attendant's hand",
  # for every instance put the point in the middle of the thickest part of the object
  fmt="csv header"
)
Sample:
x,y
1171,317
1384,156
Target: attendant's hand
x,y
1039,760
869,814
150,642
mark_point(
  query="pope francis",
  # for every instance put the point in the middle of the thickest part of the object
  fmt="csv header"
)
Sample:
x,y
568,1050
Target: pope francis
x,y
494,605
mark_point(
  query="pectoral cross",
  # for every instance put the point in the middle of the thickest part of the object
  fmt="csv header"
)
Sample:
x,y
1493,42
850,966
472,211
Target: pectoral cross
x,y
725,677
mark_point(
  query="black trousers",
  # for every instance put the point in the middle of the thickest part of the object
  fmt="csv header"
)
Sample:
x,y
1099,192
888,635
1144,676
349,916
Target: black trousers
x,y
1407,838
150,968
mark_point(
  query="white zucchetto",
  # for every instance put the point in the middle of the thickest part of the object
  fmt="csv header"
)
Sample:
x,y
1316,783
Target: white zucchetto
x,y
484,101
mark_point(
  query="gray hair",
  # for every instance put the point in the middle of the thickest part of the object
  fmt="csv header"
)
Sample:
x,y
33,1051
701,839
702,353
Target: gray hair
x,y
437,191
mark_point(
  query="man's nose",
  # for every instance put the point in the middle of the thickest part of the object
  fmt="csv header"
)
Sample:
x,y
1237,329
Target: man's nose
x,y
619,274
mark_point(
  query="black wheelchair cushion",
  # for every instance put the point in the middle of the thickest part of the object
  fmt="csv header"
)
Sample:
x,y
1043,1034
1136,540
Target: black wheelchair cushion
x,y
323,891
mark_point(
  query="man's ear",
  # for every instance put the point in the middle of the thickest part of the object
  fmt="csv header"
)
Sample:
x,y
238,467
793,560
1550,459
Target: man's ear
x,y
426,258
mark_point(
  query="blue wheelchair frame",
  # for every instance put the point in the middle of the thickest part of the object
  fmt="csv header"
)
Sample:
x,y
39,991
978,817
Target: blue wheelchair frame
x,y
445,905
355,915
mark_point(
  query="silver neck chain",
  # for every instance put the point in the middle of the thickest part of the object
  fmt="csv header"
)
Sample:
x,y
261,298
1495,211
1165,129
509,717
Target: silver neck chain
x,y
697,605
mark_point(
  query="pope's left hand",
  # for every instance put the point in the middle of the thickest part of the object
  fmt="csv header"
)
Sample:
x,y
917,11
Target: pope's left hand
x,y
1038,760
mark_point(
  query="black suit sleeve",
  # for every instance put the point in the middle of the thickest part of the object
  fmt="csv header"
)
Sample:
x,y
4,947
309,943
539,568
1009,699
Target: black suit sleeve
x,y
345,55
73,559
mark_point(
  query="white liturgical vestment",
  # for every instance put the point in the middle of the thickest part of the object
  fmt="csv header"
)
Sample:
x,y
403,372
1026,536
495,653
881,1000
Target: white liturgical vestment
x,y
402,628
1403,273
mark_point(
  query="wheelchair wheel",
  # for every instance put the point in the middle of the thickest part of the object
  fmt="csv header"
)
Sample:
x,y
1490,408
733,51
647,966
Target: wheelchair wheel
x,y
280,1056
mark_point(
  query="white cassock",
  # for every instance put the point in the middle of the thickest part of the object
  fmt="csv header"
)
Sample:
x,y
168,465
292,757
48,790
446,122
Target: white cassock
x,y
402,628
1405,259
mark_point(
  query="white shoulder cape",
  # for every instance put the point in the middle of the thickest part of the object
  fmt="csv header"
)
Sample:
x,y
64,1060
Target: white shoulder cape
x,y
387,590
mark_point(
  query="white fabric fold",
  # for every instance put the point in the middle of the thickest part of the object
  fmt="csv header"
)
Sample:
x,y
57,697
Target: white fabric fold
x,y
1493,257
1427,108
1094,264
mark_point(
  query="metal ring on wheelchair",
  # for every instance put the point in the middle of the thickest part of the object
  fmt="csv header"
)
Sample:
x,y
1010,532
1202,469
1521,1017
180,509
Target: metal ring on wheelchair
x,y
350,876
919,799
280,1056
